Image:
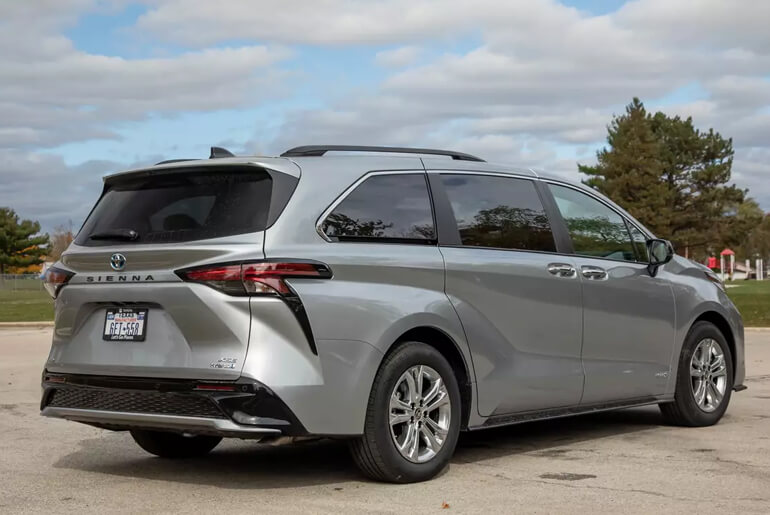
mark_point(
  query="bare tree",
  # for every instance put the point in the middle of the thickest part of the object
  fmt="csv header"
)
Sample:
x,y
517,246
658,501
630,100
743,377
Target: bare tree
x,y
60,239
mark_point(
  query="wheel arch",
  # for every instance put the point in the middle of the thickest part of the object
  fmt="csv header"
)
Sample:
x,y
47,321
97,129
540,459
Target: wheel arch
x,y
448,348
724,327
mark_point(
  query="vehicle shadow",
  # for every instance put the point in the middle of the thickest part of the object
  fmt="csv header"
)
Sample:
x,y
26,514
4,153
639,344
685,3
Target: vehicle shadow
x,y
247,465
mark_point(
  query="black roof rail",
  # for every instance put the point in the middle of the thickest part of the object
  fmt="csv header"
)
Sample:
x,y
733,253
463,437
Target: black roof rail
x,y
172,161
217,152
319,150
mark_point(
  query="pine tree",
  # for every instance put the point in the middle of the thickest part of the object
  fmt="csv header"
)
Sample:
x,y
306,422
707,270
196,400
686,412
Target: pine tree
x,y
673,178
21,243
630,171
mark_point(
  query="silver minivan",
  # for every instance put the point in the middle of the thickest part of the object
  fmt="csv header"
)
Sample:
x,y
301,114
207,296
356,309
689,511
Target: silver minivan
x,y
389,296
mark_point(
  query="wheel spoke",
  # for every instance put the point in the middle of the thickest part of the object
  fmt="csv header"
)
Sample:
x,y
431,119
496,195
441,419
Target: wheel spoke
x,y
434,390
700,393
397,403
716,396
414,442
696,372
441,399
430,439
418,372
399,418
411,386
438,431
717,365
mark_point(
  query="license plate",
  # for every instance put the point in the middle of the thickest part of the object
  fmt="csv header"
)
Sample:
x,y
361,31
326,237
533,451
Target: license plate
x,y
125,325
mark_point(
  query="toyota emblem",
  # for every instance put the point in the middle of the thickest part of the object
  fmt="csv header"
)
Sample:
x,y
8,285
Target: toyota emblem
x,y
118,261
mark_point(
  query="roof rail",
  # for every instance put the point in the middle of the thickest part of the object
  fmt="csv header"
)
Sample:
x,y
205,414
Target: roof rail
x,y
217,152
319,150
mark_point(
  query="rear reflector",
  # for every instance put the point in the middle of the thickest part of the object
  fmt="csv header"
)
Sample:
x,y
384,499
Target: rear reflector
x,y
263,277
54,279
215,387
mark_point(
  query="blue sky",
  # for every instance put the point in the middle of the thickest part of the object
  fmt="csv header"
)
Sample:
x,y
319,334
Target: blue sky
x,y
94,86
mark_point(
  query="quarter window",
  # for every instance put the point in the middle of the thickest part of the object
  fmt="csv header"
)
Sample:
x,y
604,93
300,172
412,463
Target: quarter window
x,y
595,229
393,207
498,212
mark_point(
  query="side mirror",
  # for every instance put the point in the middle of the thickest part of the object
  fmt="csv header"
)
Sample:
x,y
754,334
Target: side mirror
x,y
660,252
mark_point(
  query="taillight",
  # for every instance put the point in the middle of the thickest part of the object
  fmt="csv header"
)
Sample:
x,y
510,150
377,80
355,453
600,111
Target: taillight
x,y
263,277
54,279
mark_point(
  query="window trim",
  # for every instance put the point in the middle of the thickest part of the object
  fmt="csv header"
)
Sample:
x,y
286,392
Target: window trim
x,y
350,189
626,220
445,212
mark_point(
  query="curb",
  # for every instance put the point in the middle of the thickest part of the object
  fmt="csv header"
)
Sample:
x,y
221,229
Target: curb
x,y
29,325
756,329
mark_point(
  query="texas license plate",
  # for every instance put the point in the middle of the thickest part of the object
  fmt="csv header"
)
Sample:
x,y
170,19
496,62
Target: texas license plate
x,y
125,324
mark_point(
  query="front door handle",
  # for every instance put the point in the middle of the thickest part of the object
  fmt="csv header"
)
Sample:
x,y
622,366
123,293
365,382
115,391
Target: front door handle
x,y
562,269
593,272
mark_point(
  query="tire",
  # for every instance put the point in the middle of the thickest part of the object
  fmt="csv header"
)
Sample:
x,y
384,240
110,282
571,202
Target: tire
x,y
686,410
174,445
376,452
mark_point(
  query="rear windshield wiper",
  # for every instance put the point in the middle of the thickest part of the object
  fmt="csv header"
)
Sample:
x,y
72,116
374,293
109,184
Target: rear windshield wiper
x,y
115,234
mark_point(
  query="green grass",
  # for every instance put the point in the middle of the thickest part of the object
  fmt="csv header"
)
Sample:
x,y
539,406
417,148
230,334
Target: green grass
x,y
753,301
751,297
25,306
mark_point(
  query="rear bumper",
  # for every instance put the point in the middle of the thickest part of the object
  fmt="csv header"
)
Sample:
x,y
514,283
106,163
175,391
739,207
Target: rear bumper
x,y
242,409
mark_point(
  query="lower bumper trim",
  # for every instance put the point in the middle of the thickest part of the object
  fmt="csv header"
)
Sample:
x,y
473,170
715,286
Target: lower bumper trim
x,y
211,426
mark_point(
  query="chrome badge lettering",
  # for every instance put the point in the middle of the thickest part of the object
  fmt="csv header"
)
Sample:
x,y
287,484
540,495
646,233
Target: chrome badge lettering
x,y
118,278
228,363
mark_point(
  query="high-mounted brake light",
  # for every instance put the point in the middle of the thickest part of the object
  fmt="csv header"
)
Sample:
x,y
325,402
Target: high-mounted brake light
x,y
264,277
54,279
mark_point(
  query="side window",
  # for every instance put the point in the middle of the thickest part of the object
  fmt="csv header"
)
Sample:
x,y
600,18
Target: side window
x,y
640,243
384,207
595,229
498,212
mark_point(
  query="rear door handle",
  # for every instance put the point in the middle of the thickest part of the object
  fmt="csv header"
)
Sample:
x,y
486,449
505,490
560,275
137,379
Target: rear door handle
x,y
562,269
593,272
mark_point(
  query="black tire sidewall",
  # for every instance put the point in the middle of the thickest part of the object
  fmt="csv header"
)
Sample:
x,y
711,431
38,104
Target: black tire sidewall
x,y
408,355
684,396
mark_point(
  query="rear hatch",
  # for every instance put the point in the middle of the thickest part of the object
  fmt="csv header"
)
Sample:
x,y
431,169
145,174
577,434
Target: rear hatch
x,y
125,309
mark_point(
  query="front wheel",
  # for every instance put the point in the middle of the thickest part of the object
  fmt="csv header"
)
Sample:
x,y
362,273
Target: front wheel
x,y
413,417
173,445
704,380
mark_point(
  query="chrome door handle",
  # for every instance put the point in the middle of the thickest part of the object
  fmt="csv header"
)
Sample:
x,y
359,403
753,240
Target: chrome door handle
x,y
593,272
562,270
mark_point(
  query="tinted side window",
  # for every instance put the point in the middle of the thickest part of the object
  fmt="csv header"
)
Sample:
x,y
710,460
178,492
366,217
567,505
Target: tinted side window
x,y
595,229
499,212
395,207
640,243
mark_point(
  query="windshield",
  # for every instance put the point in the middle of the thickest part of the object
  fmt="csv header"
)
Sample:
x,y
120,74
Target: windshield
x,y
179,207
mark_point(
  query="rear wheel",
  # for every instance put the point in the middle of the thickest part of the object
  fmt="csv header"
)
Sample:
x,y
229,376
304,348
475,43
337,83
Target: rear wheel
x,y
704,379
173,445
413,417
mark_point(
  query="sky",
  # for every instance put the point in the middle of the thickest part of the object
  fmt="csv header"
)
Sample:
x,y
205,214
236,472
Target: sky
x,y
90,87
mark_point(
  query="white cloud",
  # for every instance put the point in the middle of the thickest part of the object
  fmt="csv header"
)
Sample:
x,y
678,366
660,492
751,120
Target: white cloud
x,y
538,88
397,57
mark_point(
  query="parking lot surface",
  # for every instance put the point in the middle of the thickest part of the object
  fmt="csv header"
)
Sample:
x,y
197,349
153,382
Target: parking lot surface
x,y
624,461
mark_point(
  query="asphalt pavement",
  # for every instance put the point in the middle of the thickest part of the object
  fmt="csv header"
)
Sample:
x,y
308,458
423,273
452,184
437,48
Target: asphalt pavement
x,y
625,461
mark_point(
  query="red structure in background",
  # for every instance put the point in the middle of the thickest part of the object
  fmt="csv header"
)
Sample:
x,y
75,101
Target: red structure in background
x,y
712,263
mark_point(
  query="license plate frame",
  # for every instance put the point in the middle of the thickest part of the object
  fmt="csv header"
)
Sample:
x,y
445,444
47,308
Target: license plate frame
x,y
125,333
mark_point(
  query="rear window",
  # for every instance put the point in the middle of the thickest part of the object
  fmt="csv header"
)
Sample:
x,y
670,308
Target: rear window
x,y
179,207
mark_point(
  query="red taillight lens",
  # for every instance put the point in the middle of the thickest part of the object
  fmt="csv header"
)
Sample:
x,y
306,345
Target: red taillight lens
x,y
255,278
54,279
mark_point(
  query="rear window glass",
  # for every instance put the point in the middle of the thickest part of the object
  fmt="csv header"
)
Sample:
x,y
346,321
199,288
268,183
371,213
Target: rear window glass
x,y
179,207
384,208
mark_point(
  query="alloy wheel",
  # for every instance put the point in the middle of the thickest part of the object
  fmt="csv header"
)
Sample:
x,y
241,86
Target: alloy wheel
x,y
420,412
708,374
